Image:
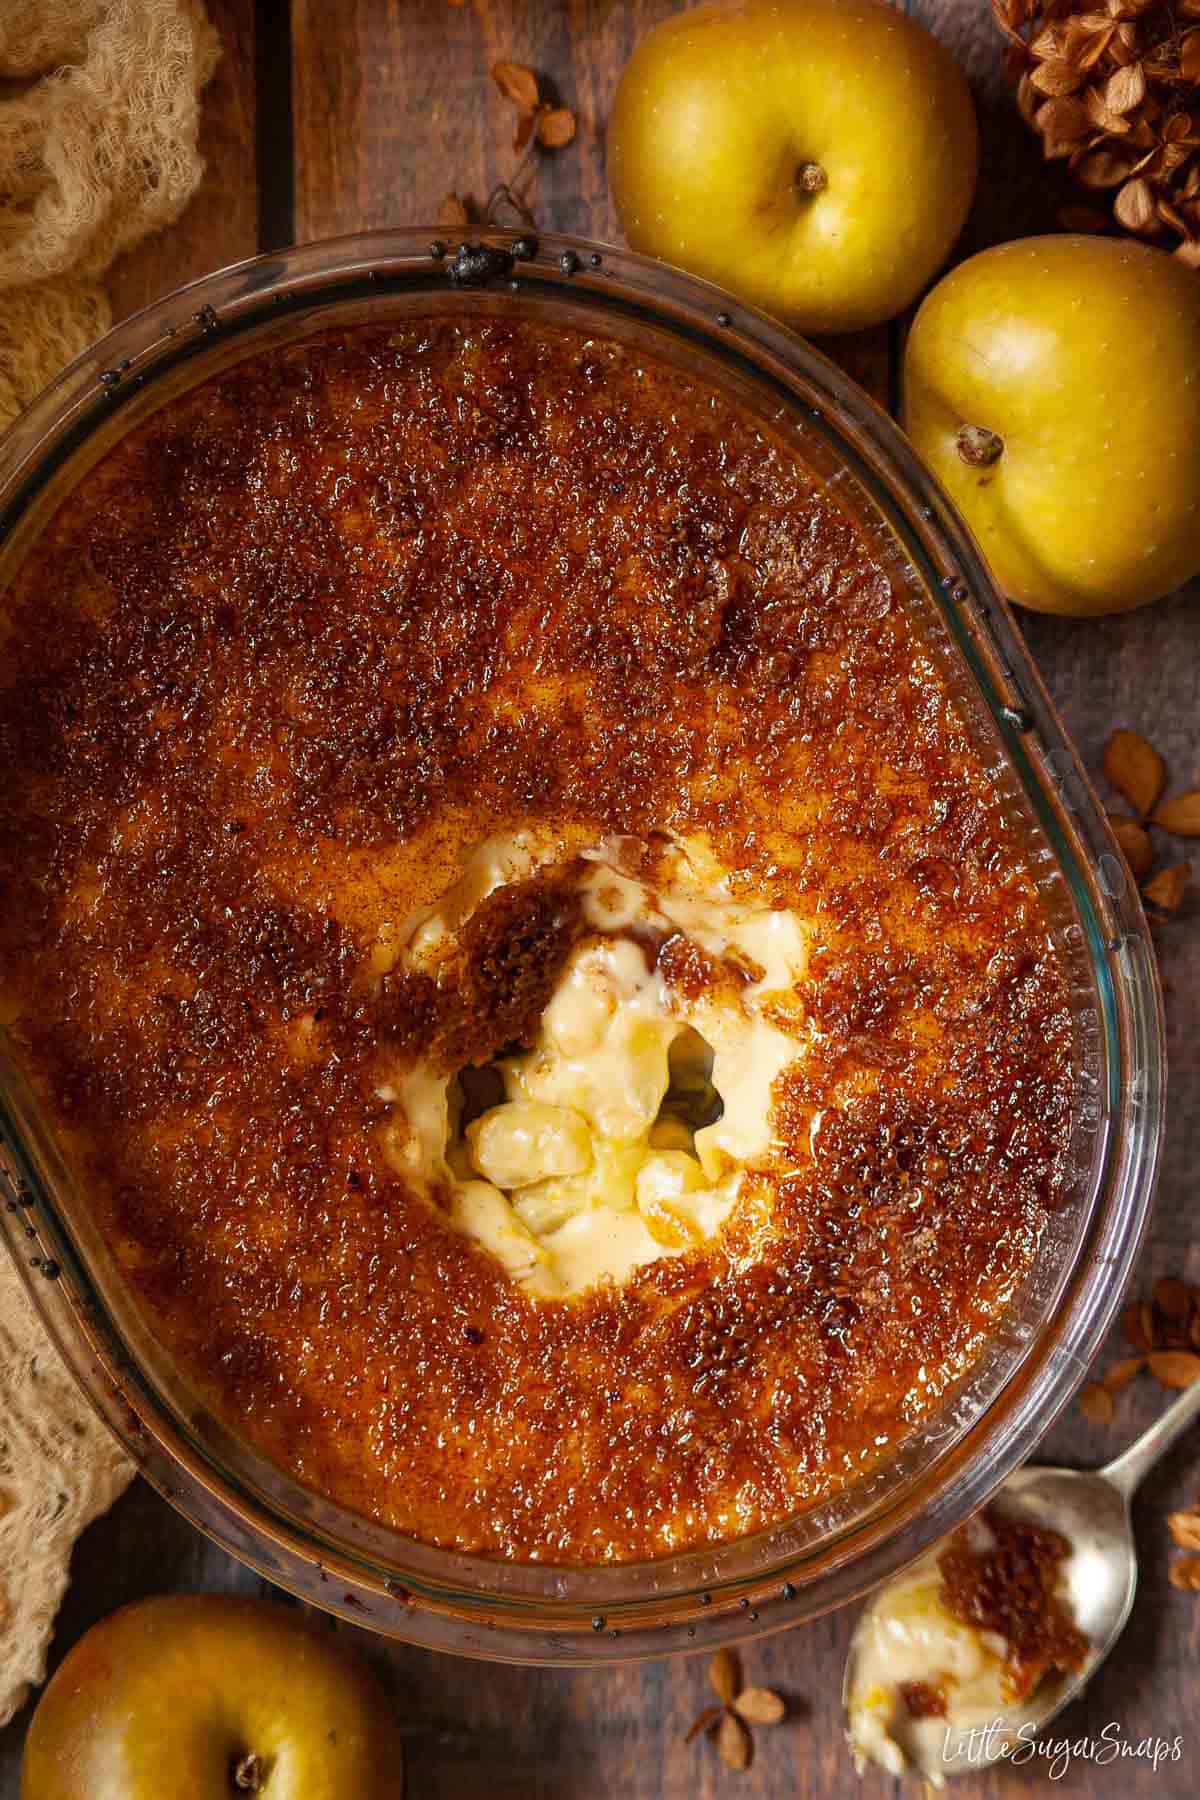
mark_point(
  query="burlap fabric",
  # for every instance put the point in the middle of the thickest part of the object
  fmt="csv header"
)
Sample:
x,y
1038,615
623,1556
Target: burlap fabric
x,y
99,118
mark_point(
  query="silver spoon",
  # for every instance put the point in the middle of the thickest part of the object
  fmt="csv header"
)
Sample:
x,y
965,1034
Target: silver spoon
x,y
1092,1511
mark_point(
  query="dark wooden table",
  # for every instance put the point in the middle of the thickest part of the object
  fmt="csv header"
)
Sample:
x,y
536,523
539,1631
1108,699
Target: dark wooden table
x,y
355,113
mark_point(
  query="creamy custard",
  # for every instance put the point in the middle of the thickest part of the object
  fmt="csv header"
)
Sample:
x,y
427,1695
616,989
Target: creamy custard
x,y
579,1176
946,1657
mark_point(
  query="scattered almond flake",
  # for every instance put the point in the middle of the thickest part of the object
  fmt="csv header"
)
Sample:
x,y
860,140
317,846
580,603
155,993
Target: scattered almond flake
x,y
1122,1373
704,1721
555,126
1096,1404
1136,1328
1185,1528
1135,769
1175,1368
518,83
453,213
1180,814
1173,1297
762,1706
1135,844
725,1673
735,1746
1166,889
1186,1573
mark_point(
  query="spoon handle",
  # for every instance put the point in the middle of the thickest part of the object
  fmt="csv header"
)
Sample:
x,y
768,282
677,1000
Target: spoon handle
x,y
1127,1471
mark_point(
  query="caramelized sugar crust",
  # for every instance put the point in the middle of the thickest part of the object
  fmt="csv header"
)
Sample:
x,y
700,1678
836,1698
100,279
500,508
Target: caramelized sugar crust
x,y
349,608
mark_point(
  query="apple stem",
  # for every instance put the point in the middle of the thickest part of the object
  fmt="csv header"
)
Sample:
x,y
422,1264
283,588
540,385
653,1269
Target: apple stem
x,y
978,446
811,178
247,1774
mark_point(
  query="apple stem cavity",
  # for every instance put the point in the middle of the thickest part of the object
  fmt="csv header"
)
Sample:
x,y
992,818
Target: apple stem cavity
x,y
978,446
811,178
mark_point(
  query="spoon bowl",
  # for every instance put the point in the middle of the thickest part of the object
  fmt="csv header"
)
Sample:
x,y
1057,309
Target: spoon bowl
x,y
1098,1582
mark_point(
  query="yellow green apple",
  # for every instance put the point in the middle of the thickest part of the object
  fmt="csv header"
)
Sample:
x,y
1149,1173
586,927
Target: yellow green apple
x,y
208,1697
1053,386
816,157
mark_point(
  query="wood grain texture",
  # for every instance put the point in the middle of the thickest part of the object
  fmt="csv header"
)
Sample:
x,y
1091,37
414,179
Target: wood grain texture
x,y
221,222
392,109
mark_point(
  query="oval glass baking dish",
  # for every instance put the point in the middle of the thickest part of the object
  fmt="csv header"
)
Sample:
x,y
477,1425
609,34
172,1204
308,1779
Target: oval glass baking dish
x,y
947,1465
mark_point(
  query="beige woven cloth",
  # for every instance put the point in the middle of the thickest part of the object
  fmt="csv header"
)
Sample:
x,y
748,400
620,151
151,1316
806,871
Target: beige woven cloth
x,y
59,1469
99,118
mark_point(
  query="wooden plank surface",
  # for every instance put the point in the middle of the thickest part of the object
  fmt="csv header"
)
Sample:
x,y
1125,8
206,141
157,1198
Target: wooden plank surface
x,y
221,224
392,109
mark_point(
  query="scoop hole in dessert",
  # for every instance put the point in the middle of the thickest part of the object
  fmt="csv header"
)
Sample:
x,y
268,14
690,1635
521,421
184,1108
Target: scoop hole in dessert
x,y
473,1092
691,1097
690,1103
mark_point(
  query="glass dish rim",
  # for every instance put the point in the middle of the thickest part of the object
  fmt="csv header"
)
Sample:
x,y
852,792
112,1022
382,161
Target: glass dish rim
x,y
987,640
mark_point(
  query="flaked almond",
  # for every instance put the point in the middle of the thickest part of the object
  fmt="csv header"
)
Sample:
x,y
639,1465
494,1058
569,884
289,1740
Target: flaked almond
x,y
1180,814
1186,1573
725,1673
518,83
1096,1404
762,1706
555,126
1137,1325
1166,889
1135,844
1185,1528
453,213
1175,1368
735,1746
1135,769
704,1721
1122,1373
